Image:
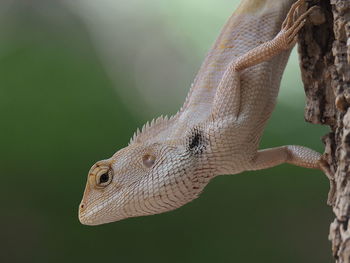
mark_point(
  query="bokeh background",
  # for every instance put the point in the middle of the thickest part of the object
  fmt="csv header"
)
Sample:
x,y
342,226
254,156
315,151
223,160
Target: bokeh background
x,y
76,80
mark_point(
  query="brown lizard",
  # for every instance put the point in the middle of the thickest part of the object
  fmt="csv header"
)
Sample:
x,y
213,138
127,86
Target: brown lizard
x,y
218,129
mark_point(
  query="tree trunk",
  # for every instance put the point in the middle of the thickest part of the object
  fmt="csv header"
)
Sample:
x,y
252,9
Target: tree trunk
x,y
324,49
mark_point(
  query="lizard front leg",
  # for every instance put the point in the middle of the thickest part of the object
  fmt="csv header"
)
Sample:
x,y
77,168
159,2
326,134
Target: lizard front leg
x,y
284,40
297,155
227,100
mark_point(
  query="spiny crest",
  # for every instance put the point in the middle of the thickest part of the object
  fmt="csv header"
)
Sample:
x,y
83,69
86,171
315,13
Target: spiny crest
x,y
151,129
159,123
187,99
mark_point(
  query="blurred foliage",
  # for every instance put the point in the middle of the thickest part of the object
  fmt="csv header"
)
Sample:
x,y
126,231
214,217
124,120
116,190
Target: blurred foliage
x,y
60,112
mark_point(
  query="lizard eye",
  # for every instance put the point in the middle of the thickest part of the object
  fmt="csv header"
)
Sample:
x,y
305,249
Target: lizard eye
x,y
104,177
148,160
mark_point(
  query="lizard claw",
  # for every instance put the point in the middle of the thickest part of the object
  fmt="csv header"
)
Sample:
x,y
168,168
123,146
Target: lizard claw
x,y
289,19
291,26
325,167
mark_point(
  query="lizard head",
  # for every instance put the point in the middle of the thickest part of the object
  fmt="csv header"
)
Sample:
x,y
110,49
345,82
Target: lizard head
x,y
149,176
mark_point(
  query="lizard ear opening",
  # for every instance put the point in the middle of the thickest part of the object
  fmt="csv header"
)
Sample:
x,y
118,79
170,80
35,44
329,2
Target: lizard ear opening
x,y
148,160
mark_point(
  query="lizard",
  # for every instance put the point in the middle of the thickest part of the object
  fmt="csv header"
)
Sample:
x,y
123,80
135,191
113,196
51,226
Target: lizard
x,y
218,129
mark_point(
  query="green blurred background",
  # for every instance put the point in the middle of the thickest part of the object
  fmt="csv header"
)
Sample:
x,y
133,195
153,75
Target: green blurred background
x,y
76,79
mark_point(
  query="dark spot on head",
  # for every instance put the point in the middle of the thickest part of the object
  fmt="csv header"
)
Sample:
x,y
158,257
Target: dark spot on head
x,y
196,141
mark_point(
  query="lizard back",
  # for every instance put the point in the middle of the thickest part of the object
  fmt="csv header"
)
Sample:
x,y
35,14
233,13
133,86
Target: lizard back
x,y
253,23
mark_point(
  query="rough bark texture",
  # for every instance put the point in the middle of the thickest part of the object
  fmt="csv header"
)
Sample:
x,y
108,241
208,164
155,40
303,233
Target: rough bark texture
x,y
324,49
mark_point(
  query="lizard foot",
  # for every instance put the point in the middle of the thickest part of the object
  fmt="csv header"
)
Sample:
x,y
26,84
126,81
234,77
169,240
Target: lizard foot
x,y
292,25
325,167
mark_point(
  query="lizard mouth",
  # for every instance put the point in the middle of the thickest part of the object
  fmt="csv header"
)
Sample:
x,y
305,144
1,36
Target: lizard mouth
x,y
86,221
89,217
85,217
82,216
95,213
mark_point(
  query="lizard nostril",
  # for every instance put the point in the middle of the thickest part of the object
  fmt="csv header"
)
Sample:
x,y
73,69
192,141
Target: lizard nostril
x,y
82,206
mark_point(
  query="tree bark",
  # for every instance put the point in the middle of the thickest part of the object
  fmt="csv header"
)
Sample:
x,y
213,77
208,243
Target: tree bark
x,y
324,50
